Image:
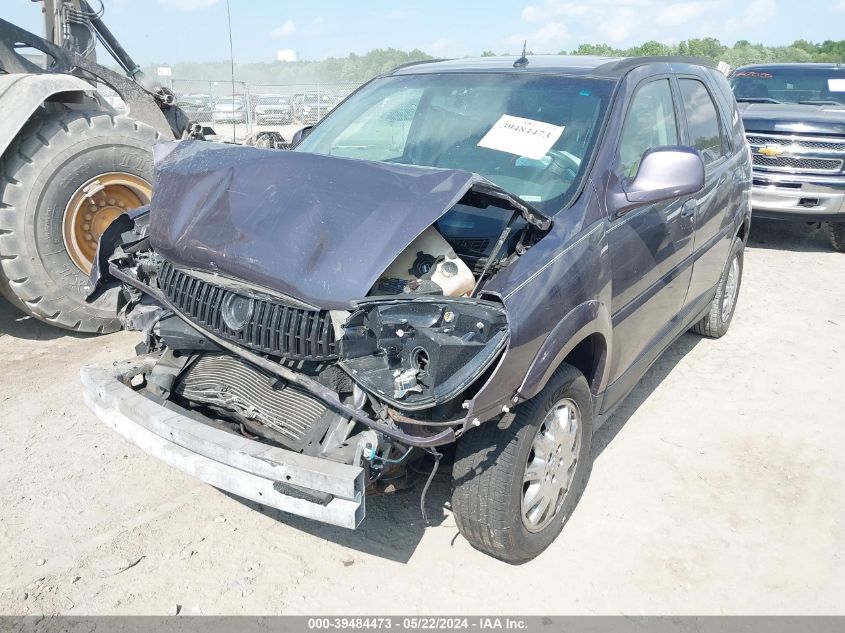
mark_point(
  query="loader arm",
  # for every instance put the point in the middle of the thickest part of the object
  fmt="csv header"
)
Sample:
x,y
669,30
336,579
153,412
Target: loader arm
x,y
72,163
156,109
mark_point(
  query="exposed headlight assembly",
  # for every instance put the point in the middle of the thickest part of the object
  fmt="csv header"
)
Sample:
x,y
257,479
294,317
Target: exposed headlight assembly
x,y
421,352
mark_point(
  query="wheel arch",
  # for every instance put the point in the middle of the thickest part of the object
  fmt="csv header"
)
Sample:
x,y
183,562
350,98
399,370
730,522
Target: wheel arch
x,y
581,339
22,94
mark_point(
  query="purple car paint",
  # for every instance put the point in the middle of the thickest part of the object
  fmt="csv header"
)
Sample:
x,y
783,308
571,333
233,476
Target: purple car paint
x,y
487,252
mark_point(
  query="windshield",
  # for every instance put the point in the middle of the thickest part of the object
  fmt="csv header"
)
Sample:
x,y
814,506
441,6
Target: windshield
x,y
768,84
229,101
529,134
272,100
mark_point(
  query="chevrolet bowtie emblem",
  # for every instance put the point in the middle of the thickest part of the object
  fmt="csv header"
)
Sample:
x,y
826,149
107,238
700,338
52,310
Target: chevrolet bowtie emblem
x,y
771,150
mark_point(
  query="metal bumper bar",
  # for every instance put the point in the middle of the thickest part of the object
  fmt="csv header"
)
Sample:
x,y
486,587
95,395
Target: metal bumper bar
x,y
298,484
798,197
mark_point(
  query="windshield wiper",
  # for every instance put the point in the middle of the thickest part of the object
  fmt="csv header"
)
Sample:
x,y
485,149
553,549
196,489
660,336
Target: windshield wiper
x,y
757,100
821,102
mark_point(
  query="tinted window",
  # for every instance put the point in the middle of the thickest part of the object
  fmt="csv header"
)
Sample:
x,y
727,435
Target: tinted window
x,y
702,120
791,84
650,122
733,130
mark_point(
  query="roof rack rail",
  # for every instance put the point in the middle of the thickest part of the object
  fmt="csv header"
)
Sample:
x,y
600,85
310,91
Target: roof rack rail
x,y
626,64
418,63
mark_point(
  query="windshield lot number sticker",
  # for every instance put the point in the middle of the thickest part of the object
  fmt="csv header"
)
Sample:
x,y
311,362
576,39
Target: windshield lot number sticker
x,y
523,137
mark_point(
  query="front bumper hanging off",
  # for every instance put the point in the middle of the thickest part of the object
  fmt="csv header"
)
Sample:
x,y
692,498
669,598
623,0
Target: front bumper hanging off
x,y
298,484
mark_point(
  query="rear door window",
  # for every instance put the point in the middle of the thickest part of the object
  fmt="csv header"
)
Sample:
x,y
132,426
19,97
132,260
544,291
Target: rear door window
x,y
705,133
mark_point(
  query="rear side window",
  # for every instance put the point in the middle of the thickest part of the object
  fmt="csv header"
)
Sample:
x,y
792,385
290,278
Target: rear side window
x,y
732,122
705,133
650,122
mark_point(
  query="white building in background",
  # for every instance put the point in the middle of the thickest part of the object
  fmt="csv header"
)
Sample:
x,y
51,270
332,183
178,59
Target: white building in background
x,y
286,55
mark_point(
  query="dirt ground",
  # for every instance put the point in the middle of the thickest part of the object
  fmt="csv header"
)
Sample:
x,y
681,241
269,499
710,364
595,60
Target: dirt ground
x,y
718,487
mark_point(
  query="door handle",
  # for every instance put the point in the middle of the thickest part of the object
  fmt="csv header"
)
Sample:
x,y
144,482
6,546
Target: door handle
x,y
688,209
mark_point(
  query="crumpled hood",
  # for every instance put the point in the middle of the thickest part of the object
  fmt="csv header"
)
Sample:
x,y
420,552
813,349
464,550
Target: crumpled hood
x,y
793,117
317,228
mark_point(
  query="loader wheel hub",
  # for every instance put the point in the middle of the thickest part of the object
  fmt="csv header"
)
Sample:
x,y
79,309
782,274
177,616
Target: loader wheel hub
x,y
94,206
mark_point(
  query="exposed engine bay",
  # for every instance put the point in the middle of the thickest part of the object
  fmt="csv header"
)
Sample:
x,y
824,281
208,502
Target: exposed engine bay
x,y
381,357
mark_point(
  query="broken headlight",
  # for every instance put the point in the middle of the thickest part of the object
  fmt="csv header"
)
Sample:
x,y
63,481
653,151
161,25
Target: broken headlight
x,y
421,352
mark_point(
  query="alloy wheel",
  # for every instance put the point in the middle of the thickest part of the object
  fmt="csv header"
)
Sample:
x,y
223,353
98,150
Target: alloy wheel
x,y
551,465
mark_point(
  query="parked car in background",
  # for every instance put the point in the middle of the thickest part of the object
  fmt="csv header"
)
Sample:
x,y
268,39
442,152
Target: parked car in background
x,y
498,273
794,117
310,107
272,108
199,107
229,110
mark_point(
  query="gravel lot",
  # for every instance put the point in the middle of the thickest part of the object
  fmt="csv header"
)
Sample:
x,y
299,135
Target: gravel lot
x,y
718,487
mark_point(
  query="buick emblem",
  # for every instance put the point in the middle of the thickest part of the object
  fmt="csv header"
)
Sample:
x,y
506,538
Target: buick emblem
x,y
237,311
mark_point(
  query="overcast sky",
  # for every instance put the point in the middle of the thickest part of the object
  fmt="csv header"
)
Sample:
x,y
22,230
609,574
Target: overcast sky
x,y
195,30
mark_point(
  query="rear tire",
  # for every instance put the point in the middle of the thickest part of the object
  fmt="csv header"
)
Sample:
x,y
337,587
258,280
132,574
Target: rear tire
x,y
716,322
51,158
495,469
836,231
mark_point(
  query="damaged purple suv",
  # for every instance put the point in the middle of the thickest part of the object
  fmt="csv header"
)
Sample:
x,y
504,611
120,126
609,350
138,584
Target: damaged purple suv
x,y
484,253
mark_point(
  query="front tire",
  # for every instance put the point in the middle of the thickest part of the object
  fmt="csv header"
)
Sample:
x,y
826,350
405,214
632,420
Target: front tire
x,y
515,487
836,231
718,319
65,177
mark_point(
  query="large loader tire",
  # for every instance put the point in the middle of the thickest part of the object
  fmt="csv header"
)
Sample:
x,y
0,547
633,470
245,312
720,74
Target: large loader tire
x,y
66,176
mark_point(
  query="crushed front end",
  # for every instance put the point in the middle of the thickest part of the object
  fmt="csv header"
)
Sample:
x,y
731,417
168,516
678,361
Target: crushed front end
x,y
285,358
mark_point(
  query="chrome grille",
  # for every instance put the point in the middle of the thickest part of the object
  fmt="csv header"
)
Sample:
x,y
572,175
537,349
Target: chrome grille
x,y
799,153
797,142
815,165
275,328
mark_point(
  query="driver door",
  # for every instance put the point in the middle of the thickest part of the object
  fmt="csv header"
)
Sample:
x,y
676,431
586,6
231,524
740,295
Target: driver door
x,y
648,245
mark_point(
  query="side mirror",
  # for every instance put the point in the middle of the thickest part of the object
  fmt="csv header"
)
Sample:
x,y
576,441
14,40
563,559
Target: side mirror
x,y
300,134
668,172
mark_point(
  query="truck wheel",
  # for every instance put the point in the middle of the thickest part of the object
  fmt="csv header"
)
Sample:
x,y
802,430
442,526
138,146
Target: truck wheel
x,y
717,321
63,180
515,487
836,231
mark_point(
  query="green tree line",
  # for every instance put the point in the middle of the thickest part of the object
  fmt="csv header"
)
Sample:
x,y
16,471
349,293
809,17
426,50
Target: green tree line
x,y
355,69
741,53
